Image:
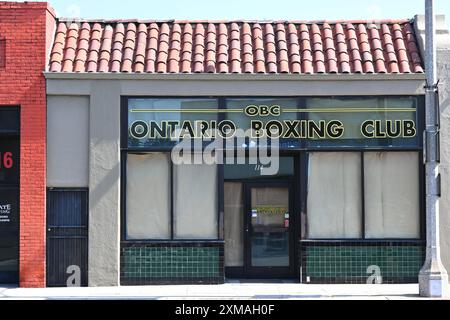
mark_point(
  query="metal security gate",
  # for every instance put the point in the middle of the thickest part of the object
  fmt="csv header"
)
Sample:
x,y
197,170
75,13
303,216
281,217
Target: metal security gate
x,y
67,237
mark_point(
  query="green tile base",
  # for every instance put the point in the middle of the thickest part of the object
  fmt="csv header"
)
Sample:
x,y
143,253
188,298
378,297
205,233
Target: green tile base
x,y
157,263
348,262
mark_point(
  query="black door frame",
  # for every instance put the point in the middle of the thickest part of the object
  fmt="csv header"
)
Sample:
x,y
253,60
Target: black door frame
x,y
297,182
251,272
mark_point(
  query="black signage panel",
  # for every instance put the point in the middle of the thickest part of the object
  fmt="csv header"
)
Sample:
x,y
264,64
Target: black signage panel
x,y
313,122
9,194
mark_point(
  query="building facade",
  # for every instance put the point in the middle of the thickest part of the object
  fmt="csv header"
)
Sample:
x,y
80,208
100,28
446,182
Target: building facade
x,y
339,198
26,34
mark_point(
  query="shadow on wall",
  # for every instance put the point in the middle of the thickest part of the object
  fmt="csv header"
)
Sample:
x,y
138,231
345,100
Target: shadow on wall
x,y
111,179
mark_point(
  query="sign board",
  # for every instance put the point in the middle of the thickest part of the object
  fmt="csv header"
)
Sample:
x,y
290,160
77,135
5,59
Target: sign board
x,y
379,125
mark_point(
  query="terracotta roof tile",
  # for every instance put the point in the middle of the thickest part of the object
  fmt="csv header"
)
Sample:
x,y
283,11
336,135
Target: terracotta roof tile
x,y
199,48
283,59
247,49
235,47
271,50
58,48
222,56
163,49
141,43
152,47
294,49
70,48
83,47
306,50
211,48
186,54
105,50
258,49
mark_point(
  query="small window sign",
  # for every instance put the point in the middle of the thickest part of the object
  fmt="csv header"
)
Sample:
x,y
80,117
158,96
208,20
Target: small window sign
x,y
5,213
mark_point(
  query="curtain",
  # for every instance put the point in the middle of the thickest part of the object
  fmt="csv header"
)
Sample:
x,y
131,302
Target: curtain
x,y
334,195
148,196
195,203
234,224
392,194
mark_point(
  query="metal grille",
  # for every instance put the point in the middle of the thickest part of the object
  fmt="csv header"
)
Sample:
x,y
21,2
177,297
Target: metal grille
x,y
67,237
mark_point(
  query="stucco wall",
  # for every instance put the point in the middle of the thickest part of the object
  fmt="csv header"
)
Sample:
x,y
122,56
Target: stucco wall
x,y
443,68
104,184
104,131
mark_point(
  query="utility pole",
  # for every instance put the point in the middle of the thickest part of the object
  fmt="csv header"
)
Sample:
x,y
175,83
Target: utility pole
x,y
433,278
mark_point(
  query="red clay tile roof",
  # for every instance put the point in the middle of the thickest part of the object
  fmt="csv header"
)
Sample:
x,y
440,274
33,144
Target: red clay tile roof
x,y
236,47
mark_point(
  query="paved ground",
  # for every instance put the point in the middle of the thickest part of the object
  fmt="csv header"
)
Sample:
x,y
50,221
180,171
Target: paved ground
x,y
230,291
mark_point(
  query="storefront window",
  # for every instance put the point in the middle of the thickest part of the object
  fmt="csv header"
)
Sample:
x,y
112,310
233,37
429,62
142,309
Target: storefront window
x,y
392,195
288,111
390,205
150,179
148,196
195,201
334,195
368,122
357,194
158,119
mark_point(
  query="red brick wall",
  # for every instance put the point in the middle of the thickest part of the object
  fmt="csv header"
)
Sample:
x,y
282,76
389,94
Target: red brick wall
x,y
28,28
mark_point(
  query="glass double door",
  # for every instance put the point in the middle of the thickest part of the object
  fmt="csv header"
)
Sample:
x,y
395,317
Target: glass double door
x,y
268,230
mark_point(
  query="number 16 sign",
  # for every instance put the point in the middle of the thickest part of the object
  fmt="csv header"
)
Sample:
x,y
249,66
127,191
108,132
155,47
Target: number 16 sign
x,y
6,160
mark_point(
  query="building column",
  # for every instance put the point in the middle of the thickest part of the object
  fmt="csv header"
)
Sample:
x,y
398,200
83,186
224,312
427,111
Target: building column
x,y
104,184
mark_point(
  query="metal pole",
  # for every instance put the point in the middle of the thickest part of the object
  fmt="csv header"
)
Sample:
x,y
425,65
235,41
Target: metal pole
x,y
433,278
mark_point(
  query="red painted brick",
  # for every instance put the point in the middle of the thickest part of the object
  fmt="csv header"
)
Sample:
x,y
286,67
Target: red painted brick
x,y
28,29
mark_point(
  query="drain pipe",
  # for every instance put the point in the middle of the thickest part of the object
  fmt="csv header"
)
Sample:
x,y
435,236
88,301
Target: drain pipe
x,y
433,278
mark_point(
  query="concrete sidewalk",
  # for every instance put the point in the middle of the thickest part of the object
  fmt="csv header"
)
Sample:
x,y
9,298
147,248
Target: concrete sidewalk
x,y
228,291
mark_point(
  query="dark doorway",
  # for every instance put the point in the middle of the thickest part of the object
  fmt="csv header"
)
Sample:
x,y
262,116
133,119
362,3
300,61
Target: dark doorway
x,y
260,225
67,237
9,194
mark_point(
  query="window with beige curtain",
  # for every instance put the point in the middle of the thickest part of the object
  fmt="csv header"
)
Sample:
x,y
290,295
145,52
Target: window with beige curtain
x,y
195,201
234,224
334,195
392,194
148,196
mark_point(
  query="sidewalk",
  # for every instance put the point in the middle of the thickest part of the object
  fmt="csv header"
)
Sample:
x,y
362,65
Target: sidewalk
x,y
228,291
